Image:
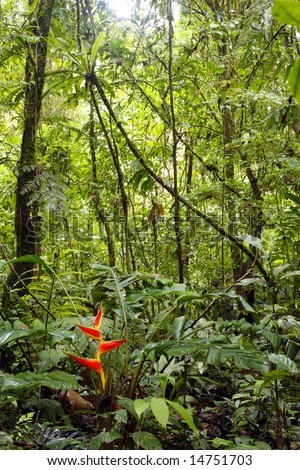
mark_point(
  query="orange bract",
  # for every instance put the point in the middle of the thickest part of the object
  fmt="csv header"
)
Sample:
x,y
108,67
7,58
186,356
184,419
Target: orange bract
x,y
104,347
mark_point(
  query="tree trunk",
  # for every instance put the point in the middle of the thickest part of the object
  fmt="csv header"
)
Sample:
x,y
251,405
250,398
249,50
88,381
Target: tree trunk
x,y
26,216
96,195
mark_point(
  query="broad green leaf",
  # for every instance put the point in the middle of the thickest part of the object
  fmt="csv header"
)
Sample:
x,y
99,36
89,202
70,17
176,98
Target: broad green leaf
x,y
274,339
186,416
251,280
269,377
278,269
32,259
293,197
287,12
219,442
104,437
11,335
291,273
251,240
121,416
178,327
140,406
188,298
57,380
283,362
146,440
294,80
292,349
128,404
160,410
96,46
245,304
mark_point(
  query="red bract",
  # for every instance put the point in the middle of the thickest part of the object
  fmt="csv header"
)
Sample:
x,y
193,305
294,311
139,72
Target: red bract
x,y
105,346
93,332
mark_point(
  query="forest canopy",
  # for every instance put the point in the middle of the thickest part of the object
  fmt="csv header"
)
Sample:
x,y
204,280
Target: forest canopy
x,y
149,188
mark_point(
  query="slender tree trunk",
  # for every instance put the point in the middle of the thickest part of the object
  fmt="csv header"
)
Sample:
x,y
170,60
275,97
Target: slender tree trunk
x,y
26,219
177,219
96,196
115,156
189,173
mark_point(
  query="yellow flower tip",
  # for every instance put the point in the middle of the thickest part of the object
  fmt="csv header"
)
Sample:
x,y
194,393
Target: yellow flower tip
x,y
103,380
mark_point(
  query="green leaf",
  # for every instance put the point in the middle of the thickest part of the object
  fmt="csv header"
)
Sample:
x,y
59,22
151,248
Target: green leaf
x,y
251,240
219,442
141,406
104,437
245,304
274,339
186,416
287,12
33,6
293,197
160,410
146,440
96,46
294,80
188,298
11,335
291,273
121,416
57,380
251,280
269,377
32,259
178,327
292,349
283,362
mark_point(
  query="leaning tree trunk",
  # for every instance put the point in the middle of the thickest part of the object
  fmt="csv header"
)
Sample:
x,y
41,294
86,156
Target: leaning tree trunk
x,y
26,219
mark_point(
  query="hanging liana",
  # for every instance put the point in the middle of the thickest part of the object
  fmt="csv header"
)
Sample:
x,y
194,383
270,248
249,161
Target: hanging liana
x,y
104,347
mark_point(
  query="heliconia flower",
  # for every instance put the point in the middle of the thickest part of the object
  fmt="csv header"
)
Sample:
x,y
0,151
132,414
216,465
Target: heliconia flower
x,y
104,347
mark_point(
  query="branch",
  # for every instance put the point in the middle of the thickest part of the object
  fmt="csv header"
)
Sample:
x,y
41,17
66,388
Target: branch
x,y
135,151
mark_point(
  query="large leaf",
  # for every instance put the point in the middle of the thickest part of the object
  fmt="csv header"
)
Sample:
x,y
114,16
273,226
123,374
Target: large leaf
x,y
291,273
11,335
287,12
186,416
104,437
188,297
30,259
96,46
270,377
141,406
274,339
294,80
146,440
251,240
57,380
283,362
160,410
178,327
